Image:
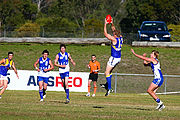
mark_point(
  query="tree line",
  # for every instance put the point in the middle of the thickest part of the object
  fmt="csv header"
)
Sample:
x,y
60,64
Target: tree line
x,y
63,16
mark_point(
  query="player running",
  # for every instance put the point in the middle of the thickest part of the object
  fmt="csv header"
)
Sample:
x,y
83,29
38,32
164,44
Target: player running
x,y
45,65
94,66
62,61
158,77
5,65
116,45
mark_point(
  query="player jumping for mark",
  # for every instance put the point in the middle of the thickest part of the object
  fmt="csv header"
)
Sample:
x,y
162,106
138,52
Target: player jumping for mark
x,y
116,45
62,61
158,77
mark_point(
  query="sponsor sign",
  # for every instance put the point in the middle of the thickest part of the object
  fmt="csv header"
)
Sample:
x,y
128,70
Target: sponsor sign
x,y
28,80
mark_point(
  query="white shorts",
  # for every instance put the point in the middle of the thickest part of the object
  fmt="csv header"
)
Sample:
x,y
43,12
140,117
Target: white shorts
x,y
113,61
3,77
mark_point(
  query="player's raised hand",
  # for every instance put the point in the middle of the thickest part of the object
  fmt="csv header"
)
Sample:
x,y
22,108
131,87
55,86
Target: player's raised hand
x,y
132,51
144,54
105,21
112,21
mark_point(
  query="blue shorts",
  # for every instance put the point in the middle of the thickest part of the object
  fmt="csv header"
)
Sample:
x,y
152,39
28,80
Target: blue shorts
x,y
158,81
45,79
63,75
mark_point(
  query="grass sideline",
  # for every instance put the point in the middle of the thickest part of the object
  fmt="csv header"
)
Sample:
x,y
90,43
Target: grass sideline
x,y
25,105
27,53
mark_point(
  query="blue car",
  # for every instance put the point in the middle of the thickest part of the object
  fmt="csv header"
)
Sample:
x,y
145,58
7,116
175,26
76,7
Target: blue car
x,y
154,31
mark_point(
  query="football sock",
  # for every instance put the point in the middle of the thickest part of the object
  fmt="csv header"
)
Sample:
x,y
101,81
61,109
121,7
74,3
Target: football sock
x,y
67,93
95,88
41,94
44,91
108,78
158,100
89,87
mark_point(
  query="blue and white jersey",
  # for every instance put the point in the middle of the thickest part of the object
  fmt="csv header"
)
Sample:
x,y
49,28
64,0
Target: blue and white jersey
x,y
63,60
157,70
43,64
116,49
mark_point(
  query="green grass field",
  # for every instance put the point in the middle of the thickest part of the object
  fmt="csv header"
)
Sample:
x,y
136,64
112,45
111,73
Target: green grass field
x,y
25,105
27,53
22,105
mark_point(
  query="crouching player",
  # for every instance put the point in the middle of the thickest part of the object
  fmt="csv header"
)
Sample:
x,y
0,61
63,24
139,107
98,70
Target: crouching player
x,y
158,77
93,76
62,61
45,65
5,65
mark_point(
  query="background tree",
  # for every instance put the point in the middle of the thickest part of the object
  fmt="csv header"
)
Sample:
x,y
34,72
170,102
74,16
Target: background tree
x,y
16,12
79,15
28,29
139,11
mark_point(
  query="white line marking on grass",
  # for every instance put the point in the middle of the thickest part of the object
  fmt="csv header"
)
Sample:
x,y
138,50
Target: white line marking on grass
x,y
164,93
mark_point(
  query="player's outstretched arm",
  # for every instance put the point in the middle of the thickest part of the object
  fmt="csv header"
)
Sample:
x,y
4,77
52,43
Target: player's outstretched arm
x,y
108,36
146,63
35,65
15,70
70,58
142,57
56,62
113,28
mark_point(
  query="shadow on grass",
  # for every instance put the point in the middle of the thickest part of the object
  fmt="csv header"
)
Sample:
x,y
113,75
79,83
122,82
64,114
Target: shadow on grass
x,y
56,101
97,107
135,108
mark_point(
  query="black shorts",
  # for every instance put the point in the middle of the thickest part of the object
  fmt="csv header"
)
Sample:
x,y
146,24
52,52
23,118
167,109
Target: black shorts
x,y
93,77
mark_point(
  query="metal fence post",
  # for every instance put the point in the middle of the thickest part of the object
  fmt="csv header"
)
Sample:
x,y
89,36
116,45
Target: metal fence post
x,y
43,32
82,33
165,84
4,31
115,83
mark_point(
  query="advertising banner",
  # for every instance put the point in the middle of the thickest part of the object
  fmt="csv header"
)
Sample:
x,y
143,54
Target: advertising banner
x,y
78,81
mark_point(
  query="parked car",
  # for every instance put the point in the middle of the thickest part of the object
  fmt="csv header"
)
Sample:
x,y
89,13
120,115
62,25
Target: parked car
x,y
154,31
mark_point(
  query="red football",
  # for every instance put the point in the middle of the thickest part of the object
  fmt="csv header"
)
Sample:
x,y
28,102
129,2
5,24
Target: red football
x,y
109,19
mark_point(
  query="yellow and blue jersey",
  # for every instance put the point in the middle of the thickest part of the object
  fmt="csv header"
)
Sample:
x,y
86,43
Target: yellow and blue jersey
x,y
5,67
116,49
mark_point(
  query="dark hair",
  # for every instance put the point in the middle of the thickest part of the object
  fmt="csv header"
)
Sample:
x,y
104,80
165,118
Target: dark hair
x,y
93,55
117,33
45,51
62,45
10,53
156,53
